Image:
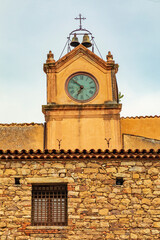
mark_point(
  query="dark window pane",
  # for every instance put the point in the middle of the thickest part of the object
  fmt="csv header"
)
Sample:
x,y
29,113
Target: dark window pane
x,y
49,204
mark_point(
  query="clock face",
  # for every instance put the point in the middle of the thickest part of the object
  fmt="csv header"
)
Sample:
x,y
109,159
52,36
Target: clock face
x,y
81,87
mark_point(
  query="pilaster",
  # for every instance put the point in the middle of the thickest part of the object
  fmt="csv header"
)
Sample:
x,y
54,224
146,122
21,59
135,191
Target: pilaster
x,y
50,70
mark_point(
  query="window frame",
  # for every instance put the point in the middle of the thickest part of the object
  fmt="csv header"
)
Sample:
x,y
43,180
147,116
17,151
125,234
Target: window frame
x,y
52,194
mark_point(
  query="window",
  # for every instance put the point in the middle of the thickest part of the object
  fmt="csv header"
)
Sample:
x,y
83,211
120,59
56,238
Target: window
x,y
17,181
119,181
49,205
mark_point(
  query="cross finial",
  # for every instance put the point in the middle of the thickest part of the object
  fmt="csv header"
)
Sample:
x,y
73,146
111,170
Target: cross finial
x,y
80,19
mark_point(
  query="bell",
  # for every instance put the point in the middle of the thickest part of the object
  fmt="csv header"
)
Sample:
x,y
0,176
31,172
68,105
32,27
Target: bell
x,y
74,42
86,41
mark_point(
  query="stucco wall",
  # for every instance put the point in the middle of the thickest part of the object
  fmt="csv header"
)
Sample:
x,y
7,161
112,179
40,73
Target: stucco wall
x,y
83,127
97,208
21,136
138,142
148,127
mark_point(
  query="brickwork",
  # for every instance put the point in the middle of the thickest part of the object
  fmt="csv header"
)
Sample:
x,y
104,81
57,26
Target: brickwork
x,y
97,208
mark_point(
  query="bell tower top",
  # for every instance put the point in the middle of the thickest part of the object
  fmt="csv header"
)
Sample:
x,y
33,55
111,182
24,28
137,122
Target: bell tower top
x,y
82,96
87,41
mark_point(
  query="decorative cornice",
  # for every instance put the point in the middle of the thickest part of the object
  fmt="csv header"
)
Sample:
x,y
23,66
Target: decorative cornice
x,y
80,49
77,154
63,107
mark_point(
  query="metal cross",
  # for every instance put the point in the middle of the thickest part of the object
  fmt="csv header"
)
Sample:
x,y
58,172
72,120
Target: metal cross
x,y
80,19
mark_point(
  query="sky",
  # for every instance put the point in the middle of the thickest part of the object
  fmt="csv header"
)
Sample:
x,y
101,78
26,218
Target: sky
x,y
130,29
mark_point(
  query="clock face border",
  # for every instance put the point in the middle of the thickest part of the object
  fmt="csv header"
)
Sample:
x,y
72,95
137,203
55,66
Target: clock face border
x,y
86,74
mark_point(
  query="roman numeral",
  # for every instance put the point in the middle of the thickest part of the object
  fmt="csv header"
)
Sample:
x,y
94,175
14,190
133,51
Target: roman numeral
x,y
81,97
91,92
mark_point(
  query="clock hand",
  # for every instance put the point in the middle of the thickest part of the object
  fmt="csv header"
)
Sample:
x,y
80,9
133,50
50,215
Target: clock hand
x,y
76,82
81,87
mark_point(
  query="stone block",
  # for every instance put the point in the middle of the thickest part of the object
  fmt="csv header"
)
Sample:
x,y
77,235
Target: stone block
x,y
90,170
156,201
122,169
148,183
111,170
134,236
135,175
156,224
70,166
103,211
58,165
137,169
125,202
153,171
2,224
26,171
9,172
146,201
131,163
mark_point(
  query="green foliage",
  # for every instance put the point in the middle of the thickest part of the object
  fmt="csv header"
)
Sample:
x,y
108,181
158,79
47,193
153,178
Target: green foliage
x,y
120,96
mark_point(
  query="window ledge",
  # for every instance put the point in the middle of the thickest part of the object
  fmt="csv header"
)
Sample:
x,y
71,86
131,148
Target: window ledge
x,y
46,227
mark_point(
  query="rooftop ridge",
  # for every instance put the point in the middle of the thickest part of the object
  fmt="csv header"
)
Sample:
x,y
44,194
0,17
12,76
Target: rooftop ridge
x,y
81,49
139,117
20,124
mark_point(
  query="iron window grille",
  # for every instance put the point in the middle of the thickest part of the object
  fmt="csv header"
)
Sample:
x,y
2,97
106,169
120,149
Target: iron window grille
x,y
49,205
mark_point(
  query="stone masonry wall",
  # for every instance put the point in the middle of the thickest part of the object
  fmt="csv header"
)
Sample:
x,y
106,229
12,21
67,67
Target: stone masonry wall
x,y
98,209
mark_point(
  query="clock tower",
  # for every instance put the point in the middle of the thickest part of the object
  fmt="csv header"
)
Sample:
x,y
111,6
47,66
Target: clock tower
x,y
82,110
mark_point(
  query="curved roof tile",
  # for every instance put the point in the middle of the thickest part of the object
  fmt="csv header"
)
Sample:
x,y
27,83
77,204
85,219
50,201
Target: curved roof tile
x,y
76,154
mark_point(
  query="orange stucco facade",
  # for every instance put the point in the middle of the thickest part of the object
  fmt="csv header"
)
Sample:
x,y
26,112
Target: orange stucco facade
x,y
77,124
140,132
148,127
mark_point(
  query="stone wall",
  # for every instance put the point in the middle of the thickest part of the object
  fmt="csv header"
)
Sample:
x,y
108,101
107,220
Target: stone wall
x,y
98,209
21,136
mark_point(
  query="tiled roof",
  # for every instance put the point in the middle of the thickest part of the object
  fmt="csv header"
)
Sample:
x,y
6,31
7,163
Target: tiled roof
x,y
77,154
139,117
20,124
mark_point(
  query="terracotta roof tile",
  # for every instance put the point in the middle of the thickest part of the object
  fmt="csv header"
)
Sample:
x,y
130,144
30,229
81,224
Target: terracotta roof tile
x,y
20,124
77,154
139,117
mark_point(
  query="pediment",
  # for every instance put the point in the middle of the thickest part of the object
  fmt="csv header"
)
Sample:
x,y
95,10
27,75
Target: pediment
x,y
78,52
